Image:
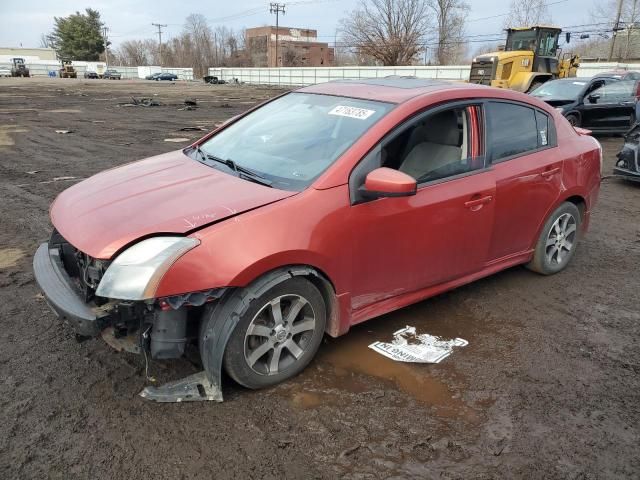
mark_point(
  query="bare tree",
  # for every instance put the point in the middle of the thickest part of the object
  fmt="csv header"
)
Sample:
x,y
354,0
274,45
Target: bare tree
x,y
390,31
525,13
627,38
450,17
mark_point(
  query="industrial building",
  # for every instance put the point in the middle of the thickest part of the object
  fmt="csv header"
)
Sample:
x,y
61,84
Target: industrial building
x,y
29,54
296,47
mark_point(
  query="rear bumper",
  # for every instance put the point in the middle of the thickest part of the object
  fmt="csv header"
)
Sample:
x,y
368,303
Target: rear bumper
x,y
60,293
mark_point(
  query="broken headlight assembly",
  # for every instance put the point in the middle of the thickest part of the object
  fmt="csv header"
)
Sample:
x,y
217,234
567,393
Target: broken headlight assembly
x,y
136,272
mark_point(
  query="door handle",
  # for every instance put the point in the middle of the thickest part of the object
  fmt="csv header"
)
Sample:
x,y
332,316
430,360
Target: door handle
x,y
549,173
478,202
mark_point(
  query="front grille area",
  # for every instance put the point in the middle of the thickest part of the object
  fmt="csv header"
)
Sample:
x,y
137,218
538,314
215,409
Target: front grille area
x,y
85,271
482,72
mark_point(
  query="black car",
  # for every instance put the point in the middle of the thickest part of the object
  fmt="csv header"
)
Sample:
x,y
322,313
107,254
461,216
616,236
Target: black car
x,y
601,104
112,74
628,163
89,74
152,76
165,76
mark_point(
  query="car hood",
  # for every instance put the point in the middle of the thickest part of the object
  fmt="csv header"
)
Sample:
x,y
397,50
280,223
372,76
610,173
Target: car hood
x,y
169,193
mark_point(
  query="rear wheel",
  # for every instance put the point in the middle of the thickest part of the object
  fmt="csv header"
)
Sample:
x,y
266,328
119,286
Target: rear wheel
x,y
277,334
558,239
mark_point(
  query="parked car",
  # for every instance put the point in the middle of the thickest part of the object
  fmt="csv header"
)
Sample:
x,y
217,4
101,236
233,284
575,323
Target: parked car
x,y
90,74
166,76
152,76
600,104
628,163
619,75
5,72
316,211
111,74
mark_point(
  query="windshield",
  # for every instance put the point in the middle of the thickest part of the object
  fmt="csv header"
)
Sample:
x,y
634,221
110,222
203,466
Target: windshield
x,y
521,40
560,90
293,139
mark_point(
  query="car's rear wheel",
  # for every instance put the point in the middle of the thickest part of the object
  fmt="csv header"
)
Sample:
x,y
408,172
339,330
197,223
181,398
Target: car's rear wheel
x,y
277,335
558,240
573,119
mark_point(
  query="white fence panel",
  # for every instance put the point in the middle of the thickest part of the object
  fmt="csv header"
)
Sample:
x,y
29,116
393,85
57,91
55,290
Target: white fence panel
x,y
290,76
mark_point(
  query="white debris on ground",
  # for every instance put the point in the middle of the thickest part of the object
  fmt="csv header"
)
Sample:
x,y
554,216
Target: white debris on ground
x,y
407,346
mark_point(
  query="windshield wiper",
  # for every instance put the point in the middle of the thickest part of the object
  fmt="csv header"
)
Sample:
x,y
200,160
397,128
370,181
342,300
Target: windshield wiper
x,y
242,172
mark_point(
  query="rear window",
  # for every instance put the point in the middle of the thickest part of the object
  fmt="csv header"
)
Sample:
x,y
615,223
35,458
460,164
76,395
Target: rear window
x,y
513,130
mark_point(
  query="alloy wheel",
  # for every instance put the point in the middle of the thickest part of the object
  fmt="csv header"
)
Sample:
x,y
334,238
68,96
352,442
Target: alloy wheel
x,y
279,334
561,239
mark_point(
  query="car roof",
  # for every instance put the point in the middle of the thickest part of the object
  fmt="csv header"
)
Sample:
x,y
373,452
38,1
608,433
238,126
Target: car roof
x,y
391,89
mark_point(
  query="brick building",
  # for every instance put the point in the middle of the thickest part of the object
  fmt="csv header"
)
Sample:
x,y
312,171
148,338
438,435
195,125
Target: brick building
x,y
297,47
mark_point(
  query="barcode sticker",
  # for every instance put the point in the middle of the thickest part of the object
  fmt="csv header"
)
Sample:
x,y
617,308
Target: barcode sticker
x,y
352,112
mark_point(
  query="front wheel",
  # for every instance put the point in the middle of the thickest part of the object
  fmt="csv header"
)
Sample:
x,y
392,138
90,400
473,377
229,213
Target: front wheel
x,y
558,239
277,335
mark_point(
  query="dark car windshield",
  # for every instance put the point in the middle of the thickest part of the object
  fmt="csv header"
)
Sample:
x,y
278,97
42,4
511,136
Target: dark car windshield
x,y
560,89
293,139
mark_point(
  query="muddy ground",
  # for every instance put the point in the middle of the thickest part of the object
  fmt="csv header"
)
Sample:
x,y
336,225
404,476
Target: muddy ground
x,y
548,387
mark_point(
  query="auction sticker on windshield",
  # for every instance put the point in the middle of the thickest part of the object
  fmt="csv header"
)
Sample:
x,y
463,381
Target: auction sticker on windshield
x,y
352,112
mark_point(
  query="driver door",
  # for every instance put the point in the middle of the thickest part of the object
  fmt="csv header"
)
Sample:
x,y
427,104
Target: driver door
x,y
443,232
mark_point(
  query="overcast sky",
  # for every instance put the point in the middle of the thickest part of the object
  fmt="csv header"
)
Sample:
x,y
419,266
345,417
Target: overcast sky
x,y
23,21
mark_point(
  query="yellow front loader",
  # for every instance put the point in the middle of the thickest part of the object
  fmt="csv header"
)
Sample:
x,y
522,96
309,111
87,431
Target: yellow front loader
x,y
531,57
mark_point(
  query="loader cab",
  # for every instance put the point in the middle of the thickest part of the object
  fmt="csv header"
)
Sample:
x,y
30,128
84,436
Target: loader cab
x,y
541,41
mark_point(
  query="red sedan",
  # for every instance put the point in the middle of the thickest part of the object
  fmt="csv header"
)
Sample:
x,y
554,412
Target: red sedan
x,y
318,210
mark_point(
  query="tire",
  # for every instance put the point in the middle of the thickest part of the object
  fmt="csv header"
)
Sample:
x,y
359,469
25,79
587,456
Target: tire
x,y
573,119
534,85
560,234
259,335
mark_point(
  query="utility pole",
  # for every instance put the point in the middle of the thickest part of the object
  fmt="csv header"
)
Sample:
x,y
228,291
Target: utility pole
x,y
616,27
105,39
277,8
159,25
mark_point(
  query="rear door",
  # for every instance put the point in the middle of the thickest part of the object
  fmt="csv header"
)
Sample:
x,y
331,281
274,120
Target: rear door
x,y
521,144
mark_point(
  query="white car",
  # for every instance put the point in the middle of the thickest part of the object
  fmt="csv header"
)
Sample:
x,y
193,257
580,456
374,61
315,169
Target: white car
x,y
5,72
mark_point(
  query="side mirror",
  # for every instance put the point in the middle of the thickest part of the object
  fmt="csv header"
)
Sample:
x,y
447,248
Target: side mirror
x,y
387,182
593,98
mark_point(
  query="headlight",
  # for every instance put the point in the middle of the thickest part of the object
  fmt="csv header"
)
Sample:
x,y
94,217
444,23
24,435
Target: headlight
x,y
136,272
560,109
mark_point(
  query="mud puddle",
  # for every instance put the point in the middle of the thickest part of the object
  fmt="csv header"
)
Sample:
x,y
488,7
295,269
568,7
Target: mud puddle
x,y
346,364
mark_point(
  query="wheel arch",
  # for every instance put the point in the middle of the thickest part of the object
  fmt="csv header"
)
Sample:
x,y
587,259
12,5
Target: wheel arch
x,y
317,276
219,319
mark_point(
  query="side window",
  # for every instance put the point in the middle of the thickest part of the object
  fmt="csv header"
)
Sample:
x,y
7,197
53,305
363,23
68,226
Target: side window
x,y
437,146
512,130
544,136
614,92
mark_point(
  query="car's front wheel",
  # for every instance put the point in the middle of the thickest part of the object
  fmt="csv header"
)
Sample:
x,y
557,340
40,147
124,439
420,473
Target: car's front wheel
x,y
558,239
277,333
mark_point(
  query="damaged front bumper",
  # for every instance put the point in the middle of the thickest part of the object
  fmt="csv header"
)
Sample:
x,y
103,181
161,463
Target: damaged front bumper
x,y
60,294
628,159
162,330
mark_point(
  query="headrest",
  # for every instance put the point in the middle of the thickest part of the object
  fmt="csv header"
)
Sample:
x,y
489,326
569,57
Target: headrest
x,y
443,129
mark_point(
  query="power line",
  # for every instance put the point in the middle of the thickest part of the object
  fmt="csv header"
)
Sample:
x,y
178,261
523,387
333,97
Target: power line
x,y
508,13
159,25
277,8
